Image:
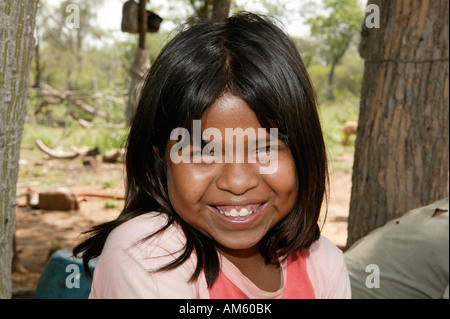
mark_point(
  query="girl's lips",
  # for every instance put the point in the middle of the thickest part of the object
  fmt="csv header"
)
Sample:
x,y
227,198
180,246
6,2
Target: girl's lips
x,y
238,222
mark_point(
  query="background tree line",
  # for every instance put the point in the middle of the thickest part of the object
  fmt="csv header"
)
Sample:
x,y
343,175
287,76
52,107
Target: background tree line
x,y
80,56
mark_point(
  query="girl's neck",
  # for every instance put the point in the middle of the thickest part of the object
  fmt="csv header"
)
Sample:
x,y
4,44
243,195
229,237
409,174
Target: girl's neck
x,y
252,265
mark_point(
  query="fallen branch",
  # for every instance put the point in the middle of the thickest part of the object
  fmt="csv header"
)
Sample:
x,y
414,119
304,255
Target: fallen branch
x,y
113,156
89,109
56,153
85,123
49,100
109,157
101,195
53,96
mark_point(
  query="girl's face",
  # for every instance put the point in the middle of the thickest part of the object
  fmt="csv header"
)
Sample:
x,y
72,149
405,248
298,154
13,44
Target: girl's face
x,y
232,202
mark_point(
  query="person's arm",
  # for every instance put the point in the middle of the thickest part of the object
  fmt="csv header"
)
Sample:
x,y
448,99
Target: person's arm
x,y
445,295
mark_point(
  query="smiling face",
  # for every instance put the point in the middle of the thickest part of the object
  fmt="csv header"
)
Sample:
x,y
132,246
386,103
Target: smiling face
x,y
232,202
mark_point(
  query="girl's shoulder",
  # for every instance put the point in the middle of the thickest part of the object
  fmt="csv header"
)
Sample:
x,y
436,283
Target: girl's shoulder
x,y
324,248
324,255
133,253
144,230
327,270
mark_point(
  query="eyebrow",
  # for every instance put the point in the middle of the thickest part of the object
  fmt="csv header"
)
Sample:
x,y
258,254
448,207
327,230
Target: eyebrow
x,y
263,140
266,140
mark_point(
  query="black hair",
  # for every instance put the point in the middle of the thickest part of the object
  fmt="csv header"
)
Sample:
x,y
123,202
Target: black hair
x,y
249,56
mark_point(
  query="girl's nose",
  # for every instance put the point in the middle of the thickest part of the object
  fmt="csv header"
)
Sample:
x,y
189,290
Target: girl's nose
x,y
238,178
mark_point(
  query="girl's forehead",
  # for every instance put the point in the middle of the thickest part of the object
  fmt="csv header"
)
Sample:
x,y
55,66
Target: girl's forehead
x,y
230,111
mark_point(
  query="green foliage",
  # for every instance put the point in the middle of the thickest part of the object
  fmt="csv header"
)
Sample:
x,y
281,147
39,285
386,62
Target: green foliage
x,y
202,9
156,41
62,58
319,76
108,183
111,203
104,137
308,49
62,49
340,22
56,129
335,24
348,76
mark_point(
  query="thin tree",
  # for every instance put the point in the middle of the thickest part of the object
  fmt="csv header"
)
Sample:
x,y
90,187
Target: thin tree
x,y
401,150
17,20
221,9
337,25
67,29
140,65
209,9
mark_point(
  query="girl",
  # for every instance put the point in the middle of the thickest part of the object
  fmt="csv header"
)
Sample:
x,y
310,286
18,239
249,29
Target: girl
x,y
205,226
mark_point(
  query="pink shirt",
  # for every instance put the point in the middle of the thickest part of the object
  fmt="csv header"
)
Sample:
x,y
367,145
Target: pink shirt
x,y
123,268
231,284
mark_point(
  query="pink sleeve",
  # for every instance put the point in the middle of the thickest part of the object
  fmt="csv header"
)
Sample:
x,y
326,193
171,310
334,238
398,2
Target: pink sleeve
x,y
327,271
123,269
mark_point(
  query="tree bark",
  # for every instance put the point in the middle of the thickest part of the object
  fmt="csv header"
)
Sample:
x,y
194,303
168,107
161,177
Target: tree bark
x,y
142,24
401,150
140,66
330,94
221,9
17,20
37,78
335,61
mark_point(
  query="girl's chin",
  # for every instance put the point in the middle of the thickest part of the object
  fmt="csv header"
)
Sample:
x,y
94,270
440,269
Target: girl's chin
x,y
233,246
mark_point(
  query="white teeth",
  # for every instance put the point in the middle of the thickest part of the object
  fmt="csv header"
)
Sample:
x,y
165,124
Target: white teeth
x,y
243,212
234,213
224,213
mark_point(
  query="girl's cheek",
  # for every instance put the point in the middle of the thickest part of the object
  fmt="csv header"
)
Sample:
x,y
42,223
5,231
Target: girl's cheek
x,y
192,180
286,172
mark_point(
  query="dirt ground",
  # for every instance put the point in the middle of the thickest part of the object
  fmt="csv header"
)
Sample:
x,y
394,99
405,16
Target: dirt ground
x,y
40,232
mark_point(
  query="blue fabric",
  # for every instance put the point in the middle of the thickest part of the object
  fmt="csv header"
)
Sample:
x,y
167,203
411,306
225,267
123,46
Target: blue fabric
x,y
64,277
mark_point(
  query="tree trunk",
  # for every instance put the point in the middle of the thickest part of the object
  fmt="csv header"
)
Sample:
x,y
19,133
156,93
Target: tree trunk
x,y
140,66
330,94
17,19
335,61
221,9
37,78
401,150
142,24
